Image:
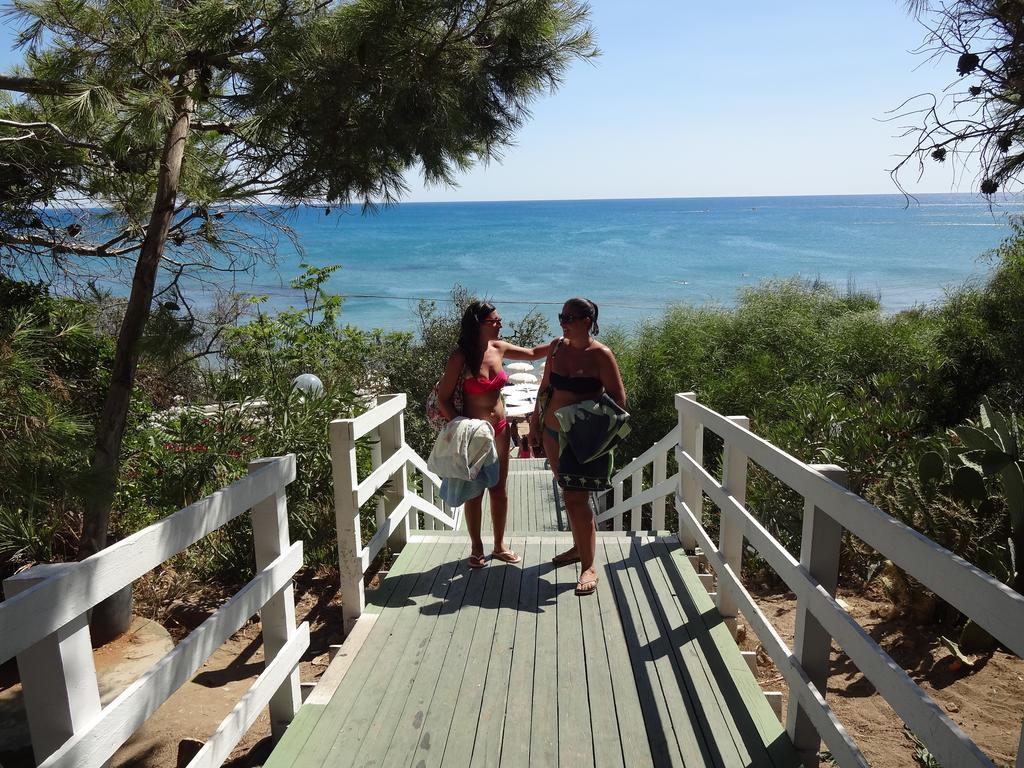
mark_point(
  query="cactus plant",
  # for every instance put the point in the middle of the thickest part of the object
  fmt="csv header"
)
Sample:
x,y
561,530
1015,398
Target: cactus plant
x,y
988,450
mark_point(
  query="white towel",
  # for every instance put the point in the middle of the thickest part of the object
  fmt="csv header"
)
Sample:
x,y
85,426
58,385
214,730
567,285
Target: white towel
x,y
463,447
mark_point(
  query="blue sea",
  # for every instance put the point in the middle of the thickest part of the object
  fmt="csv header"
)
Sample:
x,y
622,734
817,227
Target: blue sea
x,y
636,257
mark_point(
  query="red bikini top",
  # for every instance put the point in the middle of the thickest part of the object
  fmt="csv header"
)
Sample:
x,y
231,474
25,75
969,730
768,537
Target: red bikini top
x,y
478,385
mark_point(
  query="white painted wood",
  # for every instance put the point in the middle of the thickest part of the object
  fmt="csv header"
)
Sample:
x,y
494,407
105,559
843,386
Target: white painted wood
x,y
658,505
394,522
430,523
270,541
663,447
820,546
730,535
346,517
384,473
973,592
123,716
751,658
636,487
940,734
432,512
1020,749
375,461
392,443
261,692
615,513
691,442
387,407
49,605
651,494
421,466
57,674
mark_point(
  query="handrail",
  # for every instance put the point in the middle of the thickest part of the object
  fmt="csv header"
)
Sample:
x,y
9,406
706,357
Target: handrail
x,y
662,446
829,508
656,495
398,507
44,622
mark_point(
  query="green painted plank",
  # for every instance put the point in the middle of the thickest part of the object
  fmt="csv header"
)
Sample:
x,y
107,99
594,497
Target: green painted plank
x,y
515,742
685,718
575,743
683,631
632,735
646,652
440,712
458,750
296,736
378,598
490,727
744,695
408,725
544,716
417,581
601,697
375,730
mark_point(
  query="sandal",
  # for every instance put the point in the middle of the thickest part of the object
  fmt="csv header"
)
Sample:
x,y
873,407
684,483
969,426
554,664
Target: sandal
x,y
564,558
587,587
507,556
477,561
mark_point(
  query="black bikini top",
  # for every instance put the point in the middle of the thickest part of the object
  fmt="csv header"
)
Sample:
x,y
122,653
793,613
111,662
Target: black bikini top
x,y
578,384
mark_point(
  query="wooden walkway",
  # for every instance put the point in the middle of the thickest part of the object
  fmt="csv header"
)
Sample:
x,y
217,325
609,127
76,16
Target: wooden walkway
x,y
533,505
506,666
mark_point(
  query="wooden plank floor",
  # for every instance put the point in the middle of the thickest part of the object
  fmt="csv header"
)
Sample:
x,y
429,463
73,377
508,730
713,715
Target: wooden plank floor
x,y
506,666
534,506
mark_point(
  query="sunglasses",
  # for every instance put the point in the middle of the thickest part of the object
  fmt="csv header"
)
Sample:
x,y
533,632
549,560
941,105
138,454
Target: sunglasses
x,y
490,321
569,317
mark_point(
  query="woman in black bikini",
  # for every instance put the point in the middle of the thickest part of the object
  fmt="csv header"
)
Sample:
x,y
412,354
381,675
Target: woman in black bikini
x,y
477,362
578,368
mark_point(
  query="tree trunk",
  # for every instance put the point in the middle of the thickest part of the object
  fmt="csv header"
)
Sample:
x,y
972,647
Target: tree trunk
x,y
106,459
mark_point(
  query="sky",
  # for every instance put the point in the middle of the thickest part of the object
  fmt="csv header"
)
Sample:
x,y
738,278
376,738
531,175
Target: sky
x,y
713,100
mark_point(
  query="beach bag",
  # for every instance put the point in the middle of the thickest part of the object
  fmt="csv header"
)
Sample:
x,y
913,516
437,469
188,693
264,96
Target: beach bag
x,y
435,418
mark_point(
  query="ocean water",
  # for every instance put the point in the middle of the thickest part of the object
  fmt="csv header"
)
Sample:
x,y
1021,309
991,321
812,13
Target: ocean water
x,y
636,257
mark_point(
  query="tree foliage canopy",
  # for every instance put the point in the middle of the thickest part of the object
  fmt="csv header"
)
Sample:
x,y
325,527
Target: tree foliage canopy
x,y
980,118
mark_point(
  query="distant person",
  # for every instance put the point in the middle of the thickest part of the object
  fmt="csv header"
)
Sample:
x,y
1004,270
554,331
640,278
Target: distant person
x,y
476,366
581,374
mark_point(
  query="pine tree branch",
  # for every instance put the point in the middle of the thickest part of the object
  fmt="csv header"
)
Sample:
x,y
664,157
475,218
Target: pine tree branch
x,y
35,241
32,127
34,86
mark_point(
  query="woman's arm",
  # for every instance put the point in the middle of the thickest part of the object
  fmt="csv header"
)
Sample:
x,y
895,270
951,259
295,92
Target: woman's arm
x,y
449,381
611,379
536,433
522,353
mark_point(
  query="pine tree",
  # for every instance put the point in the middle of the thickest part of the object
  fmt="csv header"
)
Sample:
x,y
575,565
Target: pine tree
x,y
182,120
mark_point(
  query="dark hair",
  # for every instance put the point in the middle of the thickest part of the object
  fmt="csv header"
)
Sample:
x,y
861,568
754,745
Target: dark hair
x,y
587,308
469,333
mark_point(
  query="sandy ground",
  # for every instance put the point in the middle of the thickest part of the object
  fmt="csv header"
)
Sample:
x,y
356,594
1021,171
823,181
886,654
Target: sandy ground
x,y
986,698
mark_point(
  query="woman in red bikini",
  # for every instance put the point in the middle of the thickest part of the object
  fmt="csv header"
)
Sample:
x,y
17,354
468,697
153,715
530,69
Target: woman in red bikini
x,y
476,361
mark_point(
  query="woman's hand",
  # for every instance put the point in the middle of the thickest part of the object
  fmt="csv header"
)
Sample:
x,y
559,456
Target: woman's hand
x,y
536,436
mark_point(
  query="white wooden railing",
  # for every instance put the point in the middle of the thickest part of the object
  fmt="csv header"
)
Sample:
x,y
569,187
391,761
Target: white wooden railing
x,y
398,507
44,623
829,509
647,469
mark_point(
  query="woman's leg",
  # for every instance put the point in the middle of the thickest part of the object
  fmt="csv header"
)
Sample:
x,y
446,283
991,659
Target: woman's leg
x,y
584,535
499,494
472,512
551,451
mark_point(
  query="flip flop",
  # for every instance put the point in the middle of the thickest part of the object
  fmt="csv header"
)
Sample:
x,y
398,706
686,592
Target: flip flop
x,y
587,587
476,561
565,559
508,556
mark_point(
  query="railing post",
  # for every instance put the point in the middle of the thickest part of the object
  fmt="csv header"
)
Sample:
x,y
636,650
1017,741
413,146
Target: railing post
x,y
636,485
375,461
271,540
691,441
429,521
1020,748
730,533
346,515
617,499
658,506
819,555
392,439
58,676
